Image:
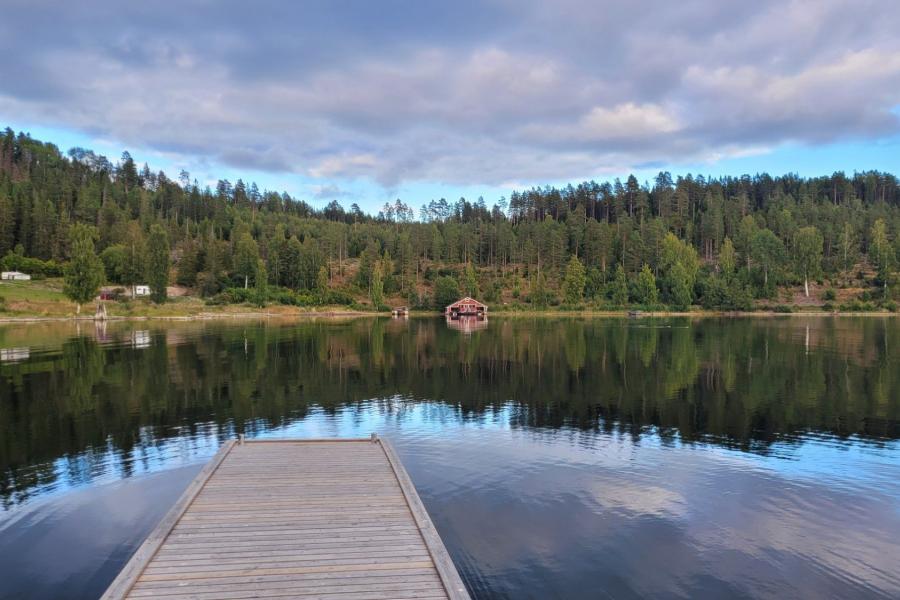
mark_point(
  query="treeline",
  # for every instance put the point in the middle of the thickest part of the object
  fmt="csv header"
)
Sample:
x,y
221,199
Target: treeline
x,y
719,242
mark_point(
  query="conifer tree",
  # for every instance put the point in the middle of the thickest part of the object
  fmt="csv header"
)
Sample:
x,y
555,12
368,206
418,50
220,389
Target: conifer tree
x,y
645,291
619,287
158,263
573,284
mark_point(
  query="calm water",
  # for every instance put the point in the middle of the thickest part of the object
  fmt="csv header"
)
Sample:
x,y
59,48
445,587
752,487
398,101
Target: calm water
x,y
559,458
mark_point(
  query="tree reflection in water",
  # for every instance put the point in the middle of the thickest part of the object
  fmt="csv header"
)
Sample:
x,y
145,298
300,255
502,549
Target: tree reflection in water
x,y
120,391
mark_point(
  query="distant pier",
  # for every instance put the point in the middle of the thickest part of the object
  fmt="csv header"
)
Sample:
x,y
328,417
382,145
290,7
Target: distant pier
x,y
329,519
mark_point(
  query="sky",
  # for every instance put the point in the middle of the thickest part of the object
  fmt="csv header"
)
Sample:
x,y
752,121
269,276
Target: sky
x,y
365,102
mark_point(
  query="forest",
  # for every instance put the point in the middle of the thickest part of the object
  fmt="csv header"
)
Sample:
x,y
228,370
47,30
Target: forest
x,y
726,243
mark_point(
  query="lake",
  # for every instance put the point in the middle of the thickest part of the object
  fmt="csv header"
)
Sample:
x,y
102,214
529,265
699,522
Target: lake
x,y
558,457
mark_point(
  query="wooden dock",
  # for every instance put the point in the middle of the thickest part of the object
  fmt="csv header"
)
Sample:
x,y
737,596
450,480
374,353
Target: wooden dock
x,y
310,519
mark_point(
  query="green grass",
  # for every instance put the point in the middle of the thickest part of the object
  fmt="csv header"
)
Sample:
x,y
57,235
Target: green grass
x,y
47,290
35,298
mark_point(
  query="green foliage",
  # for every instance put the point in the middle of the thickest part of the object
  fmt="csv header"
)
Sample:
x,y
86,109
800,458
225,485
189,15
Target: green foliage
x,y
678,252
881,252
84,274
680,264
134,268
339,297
681,286
726,294
595,283
540,295
618,290
115,260
768,254
376,291
35,267
446,292
727,258
188,265
858,306
808,244
158,263
246,257
645,291
574,282
848,247
761,231
322,284
470,281
261,283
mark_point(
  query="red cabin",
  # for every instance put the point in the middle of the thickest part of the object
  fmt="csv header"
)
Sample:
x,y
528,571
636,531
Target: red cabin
x,y
466,307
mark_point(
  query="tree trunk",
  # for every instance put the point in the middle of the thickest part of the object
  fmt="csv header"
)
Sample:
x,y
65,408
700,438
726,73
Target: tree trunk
x,y
246,280
806,286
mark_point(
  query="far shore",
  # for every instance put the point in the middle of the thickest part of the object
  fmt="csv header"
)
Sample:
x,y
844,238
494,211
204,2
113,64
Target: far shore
x,y
239,312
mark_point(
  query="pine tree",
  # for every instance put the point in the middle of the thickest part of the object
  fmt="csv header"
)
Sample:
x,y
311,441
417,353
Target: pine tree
x,y
573,284
261,284
539,294
377,289
158,263
322,285
619,287
645,291
882,253
134,270
7,224
471,281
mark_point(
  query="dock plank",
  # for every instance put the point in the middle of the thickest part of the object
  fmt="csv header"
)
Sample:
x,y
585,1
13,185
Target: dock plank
x,y
327,519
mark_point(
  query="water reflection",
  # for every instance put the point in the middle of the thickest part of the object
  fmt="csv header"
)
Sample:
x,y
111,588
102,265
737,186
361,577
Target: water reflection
x,y
14,354
559,457
743,383
467,323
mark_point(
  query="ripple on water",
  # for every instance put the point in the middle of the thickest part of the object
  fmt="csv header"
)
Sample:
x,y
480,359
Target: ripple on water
x,y
586,459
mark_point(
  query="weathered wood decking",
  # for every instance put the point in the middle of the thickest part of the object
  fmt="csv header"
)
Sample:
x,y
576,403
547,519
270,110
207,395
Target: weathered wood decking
x,y
329,519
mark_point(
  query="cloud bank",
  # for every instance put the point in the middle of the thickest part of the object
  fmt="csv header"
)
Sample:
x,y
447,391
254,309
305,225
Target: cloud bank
x,y
460,92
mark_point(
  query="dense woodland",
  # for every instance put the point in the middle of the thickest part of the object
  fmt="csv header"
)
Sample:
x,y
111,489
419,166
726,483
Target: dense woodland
x,y
730,242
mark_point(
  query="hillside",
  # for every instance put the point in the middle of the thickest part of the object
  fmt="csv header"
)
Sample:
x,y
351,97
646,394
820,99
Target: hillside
x,y
720,243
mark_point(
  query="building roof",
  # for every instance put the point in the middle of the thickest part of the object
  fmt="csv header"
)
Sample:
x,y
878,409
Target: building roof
x,y
467,300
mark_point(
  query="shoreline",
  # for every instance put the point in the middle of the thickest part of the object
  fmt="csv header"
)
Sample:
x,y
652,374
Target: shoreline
x,y
197,317
335,314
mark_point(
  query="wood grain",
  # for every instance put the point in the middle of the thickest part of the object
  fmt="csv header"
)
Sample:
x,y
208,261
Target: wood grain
x,y
325,518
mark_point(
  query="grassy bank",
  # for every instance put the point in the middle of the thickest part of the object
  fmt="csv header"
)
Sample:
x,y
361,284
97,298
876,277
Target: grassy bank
x,y
44,299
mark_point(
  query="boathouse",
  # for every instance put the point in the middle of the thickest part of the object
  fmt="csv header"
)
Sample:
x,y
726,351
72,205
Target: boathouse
x,y
466,307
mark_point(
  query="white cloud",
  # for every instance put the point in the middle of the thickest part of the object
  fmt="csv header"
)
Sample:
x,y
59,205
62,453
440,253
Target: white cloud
x,y
482,93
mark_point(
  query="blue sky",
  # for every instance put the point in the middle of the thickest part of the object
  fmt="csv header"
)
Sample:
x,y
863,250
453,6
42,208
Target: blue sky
x,y
365,103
